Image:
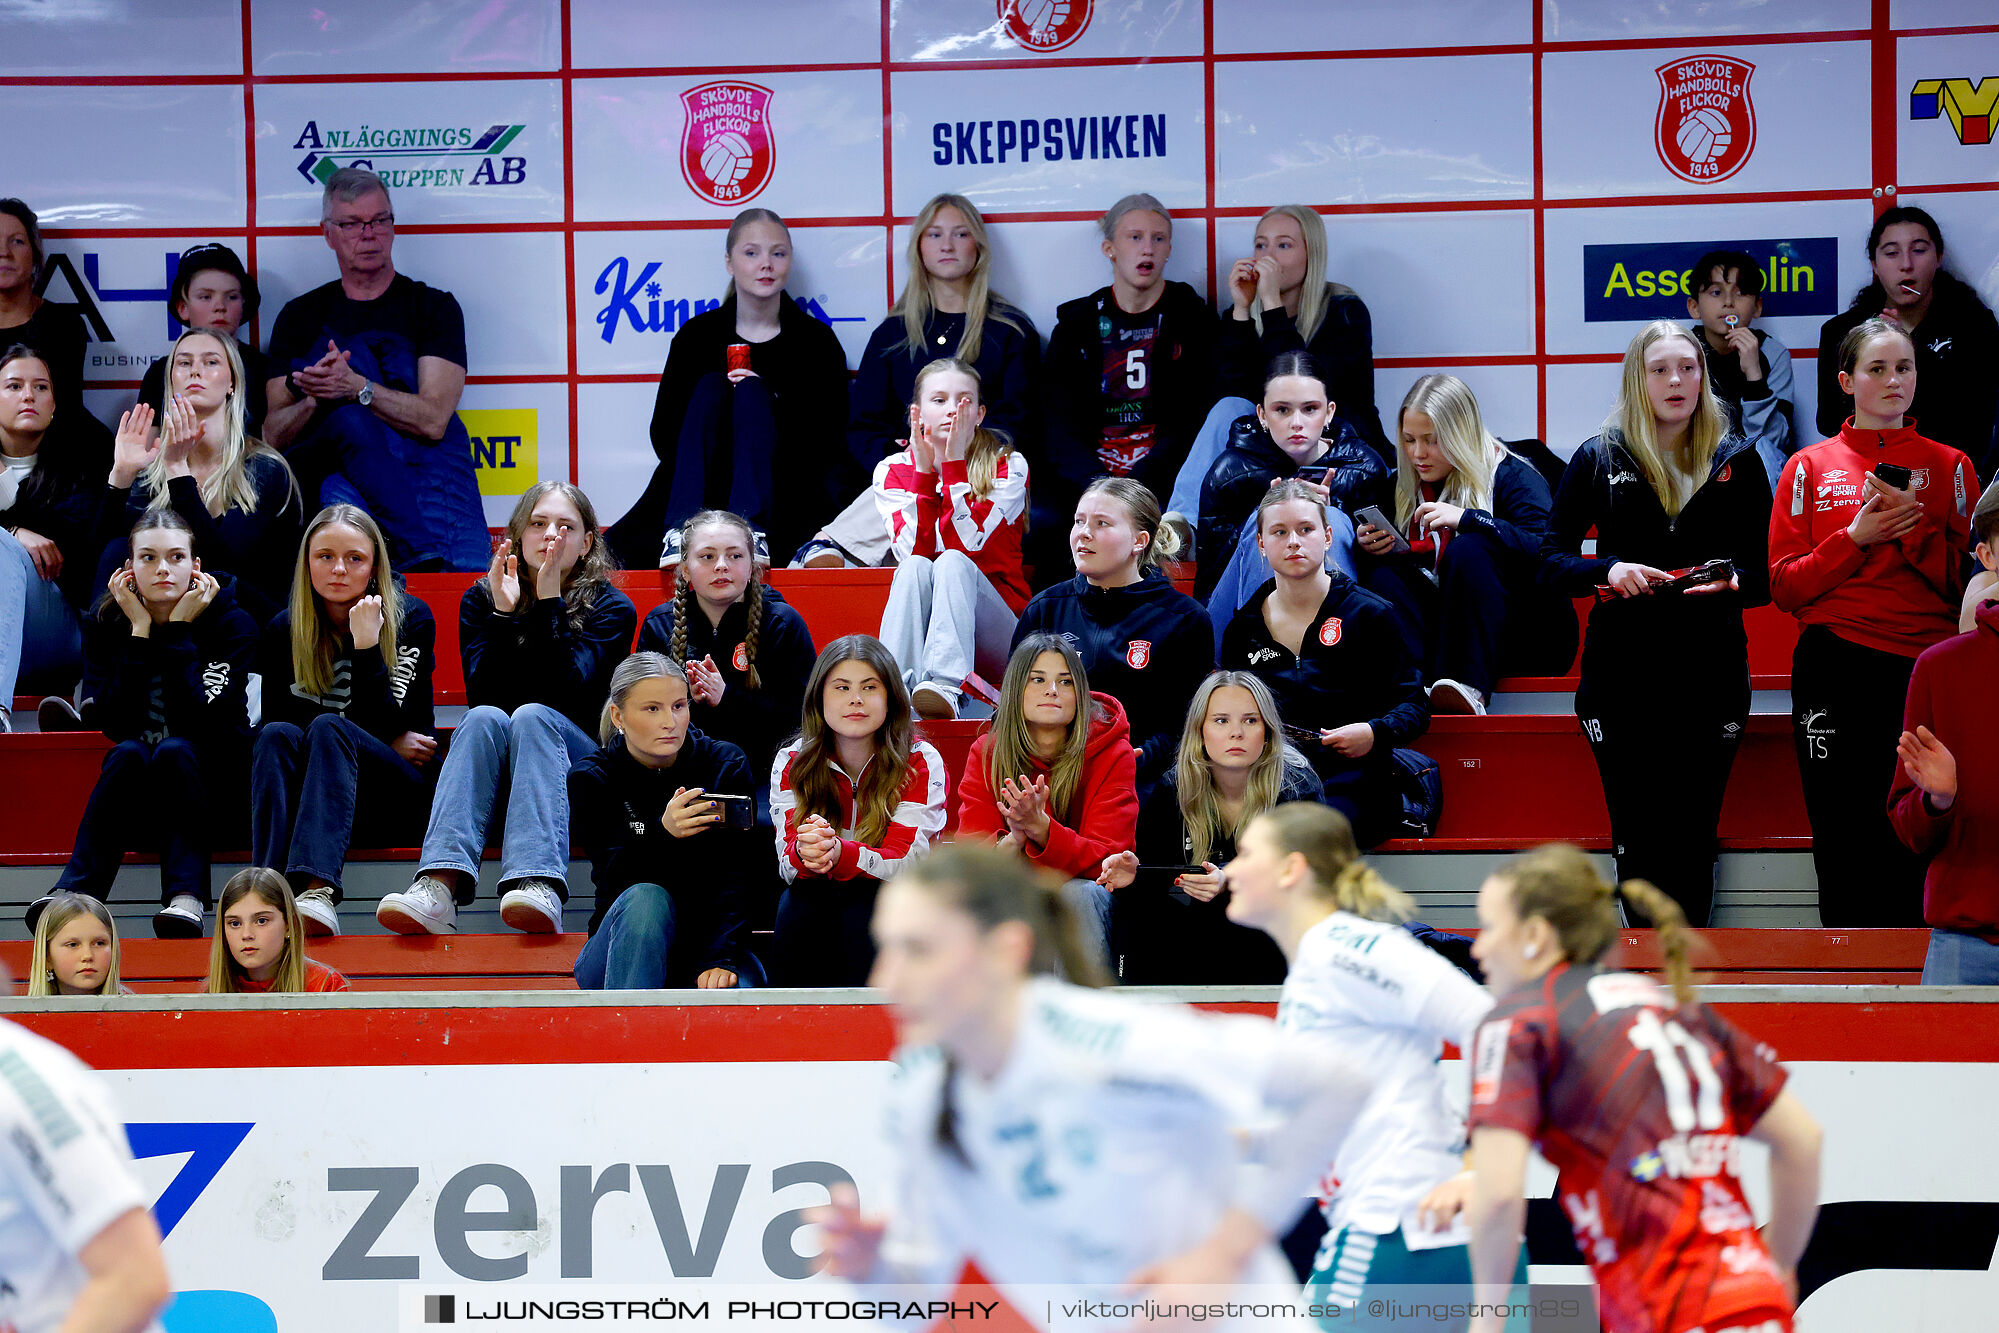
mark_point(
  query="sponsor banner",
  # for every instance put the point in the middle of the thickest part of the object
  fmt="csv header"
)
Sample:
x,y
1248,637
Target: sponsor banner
x,y
172,41
1340,131
520,435
1641,281
1026,29
1947,122
1660,121
121,284
1614,20
802,145
614,457
635,289
396,37
1046,140
697,34
489,150
1421,306
113,165
509,284
1253,26
1601,261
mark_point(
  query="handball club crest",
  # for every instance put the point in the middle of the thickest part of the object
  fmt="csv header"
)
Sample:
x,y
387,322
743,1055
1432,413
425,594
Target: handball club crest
x,y
1044,25
726,150
1706,127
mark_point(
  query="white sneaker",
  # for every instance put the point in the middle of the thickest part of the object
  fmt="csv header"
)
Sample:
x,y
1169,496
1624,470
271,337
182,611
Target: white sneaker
x,y
532,906
316,909
1452,697
930,702
425,907
179,919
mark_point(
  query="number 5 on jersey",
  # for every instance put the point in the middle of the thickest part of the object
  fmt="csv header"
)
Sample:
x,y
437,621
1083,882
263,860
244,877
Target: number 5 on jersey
x,y
1134,368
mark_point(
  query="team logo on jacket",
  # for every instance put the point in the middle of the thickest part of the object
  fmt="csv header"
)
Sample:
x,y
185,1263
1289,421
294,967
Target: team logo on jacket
x,y
1727,471
1919,479
1044,25
740,659
1329,633
726,150
1138,654
1706,127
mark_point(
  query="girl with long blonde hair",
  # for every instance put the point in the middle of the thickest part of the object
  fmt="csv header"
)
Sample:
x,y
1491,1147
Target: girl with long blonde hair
x,y
260,941
76,949
1664,690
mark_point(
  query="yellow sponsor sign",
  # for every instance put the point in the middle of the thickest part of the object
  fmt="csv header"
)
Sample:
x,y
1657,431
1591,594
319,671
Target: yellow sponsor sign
x,y
505,451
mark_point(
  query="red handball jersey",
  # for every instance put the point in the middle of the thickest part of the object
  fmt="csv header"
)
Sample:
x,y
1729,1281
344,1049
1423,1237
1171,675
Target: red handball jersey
x,y
1639,1106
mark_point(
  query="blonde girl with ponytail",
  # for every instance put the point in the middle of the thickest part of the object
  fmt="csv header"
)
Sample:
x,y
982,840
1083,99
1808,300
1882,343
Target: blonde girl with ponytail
x,y
1608,1073
1039,1127
1366,990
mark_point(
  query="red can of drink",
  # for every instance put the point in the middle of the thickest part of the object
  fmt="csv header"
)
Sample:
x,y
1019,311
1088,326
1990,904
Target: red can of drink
x,y
739,356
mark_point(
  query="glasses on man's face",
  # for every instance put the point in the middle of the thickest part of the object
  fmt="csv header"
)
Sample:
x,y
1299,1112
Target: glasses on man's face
x,y
362,226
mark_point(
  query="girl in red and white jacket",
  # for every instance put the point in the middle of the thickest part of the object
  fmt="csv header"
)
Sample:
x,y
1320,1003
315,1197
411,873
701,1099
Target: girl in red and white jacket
x,y
852,796
955,504
1873,568
1056,778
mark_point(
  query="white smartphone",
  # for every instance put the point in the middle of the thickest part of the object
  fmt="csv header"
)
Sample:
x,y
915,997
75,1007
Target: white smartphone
x,y
1372,514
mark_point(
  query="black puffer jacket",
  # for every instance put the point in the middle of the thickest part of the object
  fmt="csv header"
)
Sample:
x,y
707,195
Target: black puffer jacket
x,y
1244,471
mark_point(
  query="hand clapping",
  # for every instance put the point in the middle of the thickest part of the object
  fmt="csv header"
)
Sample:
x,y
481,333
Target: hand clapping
x,y
503,576
134,447
705,681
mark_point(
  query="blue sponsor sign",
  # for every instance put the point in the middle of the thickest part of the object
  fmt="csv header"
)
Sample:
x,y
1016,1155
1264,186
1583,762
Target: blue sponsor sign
x,y
1634,281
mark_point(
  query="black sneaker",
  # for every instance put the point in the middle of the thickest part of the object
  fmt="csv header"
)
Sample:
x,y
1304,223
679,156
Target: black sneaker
x,y
179,919
56,713
33,916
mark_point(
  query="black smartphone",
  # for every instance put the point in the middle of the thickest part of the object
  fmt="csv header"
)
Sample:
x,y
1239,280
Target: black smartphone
x,y
1316,474
1175,871
1894,475
737,811
1303,735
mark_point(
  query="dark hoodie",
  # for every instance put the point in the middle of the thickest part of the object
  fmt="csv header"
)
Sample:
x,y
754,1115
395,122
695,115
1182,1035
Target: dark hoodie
x,y
543,652
1103,810
383,702
184,679
259,547
1146,644
1241,477
616,805
758,720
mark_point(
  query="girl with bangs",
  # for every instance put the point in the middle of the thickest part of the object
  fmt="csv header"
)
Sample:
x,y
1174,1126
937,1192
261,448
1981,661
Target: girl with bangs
x,y
1055,778
76,949
346,696
539,637
947,308
259,944
236,493
955,502
1171,920
853,797
1466,592
1664,689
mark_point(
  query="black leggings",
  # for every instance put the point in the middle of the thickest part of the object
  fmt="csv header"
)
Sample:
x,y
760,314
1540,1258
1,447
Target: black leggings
x,y
1846,715
823,932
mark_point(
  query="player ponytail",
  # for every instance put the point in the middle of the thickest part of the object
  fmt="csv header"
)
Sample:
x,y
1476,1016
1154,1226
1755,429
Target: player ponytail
x,y
1325,839
1562,886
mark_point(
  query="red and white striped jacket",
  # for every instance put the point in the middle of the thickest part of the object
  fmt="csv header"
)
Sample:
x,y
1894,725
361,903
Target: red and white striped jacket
x,y
928,513
918,819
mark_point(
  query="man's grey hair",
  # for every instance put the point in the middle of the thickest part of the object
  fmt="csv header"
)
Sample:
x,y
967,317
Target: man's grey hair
x,y
347,185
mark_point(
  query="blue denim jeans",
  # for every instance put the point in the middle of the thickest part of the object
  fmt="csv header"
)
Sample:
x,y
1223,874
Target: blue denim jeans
x,y
1958,959
39,633
634,947
1091,903
328,760
516,769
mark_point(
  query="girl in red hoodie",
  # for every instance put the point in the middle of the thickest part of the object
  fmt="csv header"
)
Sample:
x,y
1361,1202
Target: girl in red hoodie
x,y
1873,568
1056,777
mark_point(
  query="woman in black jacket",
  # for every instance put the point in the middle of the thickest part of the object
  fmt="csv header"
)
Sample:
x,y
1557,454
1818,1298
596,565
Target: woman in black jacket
x,y
1465,586
346,696
739,423
47,509
1664,694
538,636
1234,763
669,864
167,659
1955,336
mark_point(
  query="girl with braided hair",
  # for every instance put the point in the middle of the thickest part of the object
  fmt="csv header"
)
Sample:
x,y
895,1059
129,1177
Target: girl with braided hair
x,y
746,652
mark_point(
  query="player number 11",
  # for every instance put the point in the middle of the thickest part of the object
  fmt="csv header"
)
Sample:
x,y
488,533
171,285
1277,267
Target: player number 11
x,y
1669,1044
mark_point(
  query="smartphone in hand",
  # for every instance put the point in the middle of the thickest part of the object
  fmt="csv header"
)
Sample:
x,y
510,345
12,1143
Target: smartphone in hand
x,y
1894,475
1372,514
738,812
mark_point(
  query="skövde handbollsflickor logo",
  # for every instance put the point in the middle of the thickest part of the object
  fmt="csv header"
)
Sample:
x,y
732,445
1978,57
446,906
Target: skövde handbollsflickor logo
x,y
1706,127
1044,25
727,154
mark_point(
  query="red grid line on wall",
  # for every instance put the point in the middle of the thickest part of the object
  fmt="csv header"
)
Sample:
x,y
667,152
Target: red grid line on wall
x,y
1886,100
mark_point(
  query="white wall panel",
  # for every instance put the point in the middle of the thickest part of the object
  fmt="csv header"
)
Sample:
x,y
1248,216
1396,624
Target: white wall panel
x,y
483,150
700,34
1579,398
155,155
1506,395
824,135
1023,29
1664,20
1970,226
507,405
614,458
1940,149
1253,26
396,37
105,37
1045,140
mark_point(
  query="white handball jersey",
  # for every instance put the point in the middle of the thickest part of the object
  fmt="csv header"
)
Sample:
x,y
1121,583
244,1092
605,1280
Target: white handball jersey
x,y
1377,998
1115,1136
65,1174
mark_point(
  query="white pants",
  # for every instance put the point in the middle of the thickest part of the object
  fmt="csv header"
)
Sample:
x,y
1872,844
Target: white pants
x,y
945,620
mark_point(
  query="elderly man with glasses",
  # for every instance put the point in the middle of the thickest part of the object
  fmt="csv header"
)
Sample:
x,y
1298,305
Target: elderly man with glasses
x,y
383,358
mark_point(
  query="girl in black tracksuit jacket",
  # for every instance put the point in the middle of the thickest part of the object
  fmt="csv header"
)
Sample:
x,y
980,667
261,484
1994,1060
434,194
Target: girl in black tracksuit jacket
x,y
1664,690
